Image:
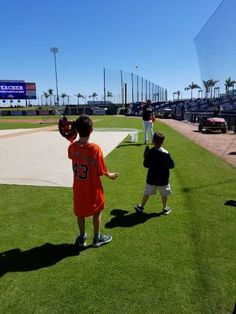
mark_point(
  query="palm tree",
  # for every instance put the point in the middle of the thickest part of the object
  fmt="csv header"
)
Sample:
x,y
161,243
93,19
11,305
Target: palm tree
x,y
78,97
50,93
46,95
229,84
63,96
176,93
191,87
212,84
209,84
94,95
109,95
207,87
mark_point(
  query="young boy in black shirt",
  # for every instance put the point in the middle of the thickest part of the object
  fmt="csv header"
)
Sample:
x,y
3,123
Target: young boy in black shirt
x,y
158,161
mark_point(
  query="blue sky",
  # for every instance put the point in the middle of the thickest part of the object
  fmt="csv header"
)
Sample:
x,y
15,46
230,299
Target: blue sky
x,y
155,35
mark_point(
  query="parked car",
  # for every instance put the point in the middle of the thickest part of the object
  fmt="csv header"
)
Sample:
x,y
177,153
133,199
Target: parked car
x,y
213,124
99,111
165,113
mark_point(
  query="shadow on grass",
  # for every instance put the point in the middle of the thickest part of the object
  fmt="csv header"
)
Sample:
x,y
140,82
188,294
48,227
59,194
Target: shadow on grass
x,y
121,218
230,203
129,144
42,256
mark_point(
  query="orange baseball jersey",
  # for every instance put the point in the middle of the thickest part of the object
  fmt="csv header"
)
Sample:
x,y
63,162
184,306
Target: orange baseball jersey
x,y
88,165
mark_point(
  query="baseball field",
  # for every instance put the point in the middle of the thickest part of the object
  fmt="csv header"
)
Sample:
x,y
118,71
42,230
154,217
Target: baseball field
x,y
181,263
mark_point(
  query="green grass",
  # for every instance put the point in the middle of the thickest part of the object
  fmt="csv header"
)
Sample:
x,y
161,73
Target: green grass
x,y
22,125
9,122
181,263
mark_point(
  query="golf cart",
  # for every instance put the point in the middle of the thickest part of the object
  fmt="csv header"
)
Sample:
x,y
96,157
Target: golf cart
x,y
214,124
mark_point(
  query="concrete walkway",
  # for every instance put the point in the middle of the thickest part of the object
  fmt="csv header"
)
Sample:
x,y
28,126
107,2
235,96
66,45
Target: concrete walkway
x,y
222,145
39,157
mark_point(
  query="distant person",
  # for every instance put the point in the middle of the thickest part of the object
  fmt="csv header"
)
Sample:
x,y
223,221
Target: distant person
x,y
148,118
182,112
88,166
217,112
159,162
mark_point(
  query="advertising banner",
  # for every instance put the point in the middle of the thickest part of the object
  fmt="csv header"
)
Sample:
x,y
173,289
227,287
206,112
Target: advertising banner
x,y
12,90
30,113
30,90
43,112
17,113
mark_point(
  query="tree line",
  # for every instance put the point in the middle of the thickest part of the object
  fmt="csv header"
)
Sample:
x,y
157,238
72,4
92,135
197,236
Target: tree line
x,y
209,86
50,95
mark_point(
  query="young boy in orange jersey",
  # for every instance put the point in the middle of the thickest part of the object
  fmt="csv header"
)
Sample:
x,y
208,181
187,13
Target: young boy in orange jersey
x,y
88,165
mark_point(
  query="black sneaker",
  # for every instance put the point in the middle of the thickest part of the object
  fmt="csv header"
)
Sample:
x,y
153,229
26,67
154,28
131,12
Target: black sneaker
x,y
139,208
81,241
102,239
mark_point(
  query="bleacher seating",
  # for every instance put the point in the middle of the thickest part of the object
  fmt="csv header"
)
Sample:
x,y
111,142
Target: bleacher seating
x,y
225,103
193,110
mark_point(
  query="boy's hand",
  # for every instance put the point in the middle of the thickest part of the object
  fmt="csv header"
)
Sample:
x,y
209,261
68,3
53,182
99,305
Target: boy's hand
x,y
112,175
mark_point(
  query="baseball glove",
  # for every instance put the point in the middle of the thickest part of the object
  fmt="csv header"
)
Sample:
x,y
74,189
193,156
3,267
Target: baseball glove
x,y
67,129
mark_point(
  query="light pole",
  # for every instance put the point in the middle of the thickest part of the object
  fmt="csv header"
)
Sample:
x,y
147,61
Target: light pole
x,y
216,92
54,50
132,86
200,93
137,79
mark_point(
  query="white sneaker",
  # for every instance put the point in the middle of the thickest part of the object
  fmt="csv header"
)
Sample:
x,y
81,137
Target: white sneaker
x,y
167,211
139,208
102,239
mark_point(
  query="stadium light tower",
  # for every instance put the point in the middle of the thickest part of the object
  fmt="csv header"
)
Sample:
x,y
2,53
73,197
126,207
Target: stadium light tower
x,y
54,50
137,77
